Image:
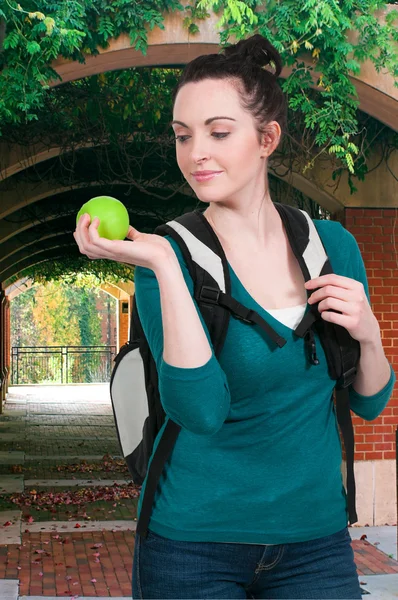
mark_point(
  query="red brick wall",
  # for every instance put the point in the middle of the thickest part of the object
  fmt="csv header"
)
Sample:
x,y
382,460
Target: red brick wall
x,y
124,324
103,311
376,231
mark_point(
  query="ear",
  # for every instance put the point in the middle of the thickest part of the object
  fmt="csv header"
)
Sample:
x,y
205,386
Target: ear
x,y
270,138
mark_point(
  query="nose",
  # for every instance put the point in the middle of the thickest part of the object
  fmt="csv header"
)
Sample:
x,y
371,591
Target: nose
x,y
199,150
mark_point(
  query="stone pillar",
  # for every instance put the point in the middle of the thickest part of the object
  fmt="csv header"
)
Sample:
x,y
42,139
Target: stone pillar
x,y
375,231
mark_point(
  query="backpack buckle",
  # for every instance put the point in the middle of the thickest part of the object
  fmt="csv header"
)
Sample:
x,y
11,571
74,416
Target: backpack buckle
x,y
209,295
347,378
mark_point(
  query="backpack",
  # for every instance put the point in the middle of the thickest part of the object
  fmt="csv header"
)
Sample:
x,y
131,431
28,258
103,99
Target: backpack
x,y
138,412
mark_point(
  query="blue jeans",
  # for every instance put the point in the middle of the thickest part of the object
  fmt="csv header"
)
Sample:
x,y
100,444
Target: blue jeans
x,y
169,569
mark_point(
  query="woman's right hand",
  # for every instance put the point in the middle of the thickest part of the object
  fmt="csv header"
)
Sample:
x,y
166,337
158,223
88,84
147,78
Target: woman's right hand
x,y
145,250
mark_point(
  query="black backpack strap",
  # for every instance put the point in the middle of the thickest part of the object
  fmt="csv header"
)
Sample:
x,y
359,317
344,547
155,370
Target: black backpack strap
x,y
159,459
349,354
341,350
208,267
242,313
350,351
344,420
305,242
135,329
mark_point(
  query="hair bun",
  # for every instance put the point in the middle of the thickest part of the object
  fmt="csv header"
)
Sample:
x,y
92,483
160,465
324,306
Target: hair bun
x,y
256,50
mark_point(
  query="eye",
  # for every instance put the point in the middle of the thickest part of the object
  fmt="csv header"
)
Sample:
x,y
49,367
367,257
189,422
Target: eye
x,y
220,135
182,138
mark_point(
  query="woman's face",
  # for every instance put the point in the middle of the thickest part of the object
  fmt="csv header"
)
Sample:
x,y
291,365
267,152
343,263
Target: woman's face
x,y
218,147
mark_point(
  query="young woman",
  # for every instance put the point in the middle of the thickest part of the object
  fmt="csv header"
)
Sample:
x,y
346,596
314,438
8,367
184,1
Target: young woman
x,y
251,503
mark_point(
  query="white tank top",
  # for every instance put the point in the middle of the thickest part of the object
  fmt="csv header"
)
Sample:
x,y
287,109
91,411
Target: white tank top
x,y
290,316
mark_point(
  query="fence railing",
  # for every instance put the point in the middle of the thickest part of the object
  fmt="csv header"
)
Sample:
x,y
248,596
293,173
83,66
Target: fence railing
x,y
61,364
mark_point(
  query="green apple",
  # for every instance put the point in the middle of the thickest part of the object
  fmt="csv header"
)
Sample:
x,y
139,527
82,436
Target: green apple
x,y
113,216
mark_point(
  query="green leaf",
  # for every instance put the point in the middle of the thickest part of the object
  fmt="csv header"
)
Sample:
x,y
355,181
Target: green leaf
x,y
11,40
193,28
33,47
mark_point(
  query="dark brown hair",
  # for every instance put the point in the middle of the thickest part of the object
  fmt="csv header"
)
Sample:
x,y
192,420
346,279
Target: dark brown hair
x,y
245,63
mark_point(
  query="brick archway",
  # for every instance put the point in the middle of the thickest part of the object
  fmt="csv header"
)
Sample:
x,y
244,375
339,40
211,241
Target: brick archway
x,y
175,46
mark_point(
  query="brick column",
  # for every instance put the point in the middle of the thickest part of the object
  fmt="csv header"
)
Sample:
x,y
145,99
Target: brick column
x,y
2,348
124,322
7,349
376,231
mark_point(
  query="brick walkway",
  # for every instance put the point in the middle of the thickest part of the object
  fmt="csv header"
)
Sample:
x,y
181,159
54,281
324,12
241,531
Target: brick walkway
x,y
371,561
84,564
100,563
77,562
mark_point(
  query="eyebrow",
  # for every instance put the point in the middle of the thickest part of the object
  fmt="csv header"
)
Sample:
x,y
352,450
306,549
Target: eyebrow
x,y
207,122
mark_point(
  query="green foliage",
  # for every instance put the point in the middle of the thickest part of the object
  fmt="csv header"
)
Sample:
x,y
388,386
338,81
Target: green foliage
x,y
79,272
319,30
195,13
55,314
73,29
333,37
24,330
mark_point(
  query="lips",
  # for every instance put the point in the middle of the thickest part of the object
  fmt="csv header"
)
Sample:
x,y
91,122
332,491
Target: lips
x,y
205,175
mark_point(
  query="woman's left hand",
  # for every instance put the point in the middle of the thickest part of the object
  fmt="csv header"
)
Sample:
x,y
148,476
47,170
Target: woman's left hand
x,y
347,297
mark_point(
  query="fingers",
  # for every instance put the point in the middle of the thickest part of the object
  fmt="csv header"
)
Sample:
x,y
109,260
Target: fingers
x,y
89,240
132,233
347,308
331,291
80,232
333,279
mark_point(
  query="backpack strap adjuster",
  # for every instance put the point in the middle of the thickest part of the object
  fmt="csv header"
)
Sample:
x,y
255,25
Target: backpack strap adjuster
x,y
212,296
209,295
347,378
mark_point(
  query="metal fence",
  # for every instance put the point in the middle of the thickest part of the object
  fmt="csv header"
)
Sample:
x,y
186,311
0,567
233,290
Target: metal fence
x,y
61,364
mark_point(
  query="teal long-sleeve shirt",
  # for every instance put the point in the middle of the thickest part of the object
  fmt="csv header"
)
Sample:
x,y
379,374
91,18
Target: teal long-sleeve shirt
x,y
258,458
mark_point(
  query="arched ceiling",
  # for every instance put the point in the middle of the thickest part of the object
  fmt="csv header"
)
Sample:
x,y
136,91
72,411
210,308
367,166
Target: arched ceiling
x,y
53,254
37,230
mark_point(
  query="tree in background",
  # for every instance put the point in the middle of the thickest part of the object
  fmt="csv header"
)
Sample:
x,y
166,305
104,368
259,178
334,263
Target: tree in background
x,y
57,314
24,331
55,317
